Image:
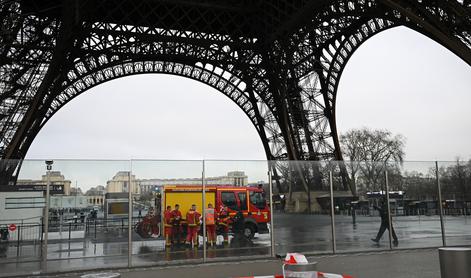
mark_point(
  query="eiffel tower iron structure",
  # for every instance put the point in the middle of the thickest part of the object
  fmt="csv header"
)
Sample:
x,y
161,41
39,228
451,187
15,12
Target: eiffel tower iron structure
x,y
280,61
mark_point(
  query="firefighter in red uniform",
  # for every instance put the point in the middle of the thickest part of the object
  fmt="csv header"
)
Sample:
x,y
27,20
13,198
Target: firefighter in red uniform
x,y
210,219
223,221
176,225
193,220
168,225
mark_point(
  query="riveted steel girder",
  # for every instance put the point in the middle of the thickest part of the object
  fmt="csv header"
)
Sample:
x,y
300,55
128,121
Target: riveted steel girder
x,y
279,61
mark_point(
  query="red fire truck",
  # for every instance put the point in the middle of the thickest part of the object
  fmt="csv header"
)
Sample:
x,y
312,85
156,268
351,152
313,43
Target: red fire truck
x,y
249,200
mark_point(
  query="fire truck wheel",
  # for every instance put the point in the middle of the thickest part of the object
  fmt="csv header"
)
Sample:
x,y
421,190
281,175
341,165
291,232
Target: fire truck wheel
x,y
249,230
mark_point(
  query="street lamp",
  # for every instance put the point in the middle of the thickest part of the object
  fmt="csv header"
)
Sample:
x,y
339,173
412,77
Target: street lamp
x,y
49,164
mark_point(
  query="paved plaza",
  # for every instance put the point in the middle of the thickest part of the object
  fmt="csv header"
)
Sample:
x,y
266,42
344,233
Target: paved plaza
x,y
310,234
388,264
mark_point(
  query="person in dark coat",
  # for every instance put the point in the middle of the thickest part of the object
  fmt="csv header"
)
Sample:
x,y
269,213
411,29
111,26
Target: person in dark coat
x,y
238,226
383,213
4,234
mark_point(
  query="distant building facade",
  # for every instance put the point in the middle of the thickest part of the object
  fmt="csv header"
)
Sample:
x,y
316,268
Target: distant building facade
x,y
76,191
96,196
236,178
56,179
120,183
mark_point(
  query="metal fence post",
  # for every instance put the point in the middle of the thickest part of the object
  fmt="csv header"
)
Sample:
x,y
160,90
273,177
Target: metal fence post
x,y
130,212
41,232
272,228
203,212
18,245
440,204
46,220
61,218
22,223
388,206
332,213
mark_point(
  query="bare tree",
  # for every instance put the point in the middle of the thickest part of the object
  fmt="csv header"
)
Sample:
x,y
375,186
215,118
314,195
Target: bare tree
x,y
420,186
369,151
456,181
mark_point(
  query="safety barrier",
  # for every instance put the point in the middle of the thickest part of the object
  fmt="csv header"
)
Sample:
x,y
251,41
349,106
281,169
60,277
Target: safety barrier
x,y
296,265
319,275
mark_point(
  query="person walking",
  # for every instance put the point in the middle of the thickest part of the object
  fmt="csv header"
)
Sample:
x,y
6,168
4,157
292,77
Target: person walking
x,y
168,219
383,213
75,220
176,225
210,219
82,217
193,220
353,212
4,236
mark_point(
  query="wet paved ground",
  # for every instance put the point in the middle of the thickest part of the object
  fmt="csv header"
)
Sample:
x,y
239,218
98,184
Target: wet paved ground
x,y
397,264
293,233
389,264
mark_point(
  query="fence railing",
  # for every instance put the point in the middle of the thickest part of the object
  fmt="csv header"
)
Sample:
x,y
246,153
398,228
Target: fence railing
x,y
317,207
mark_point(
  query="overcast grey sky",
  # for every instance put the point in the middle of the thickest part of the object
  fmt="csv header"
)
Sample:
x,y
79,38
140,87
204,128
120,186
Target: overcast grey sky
x,y
398,80
402,81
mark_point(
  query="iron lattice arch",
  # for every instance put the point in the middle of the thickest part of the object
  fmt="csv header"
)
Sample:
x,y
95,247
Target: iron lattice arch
x,y
279,61
80,79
